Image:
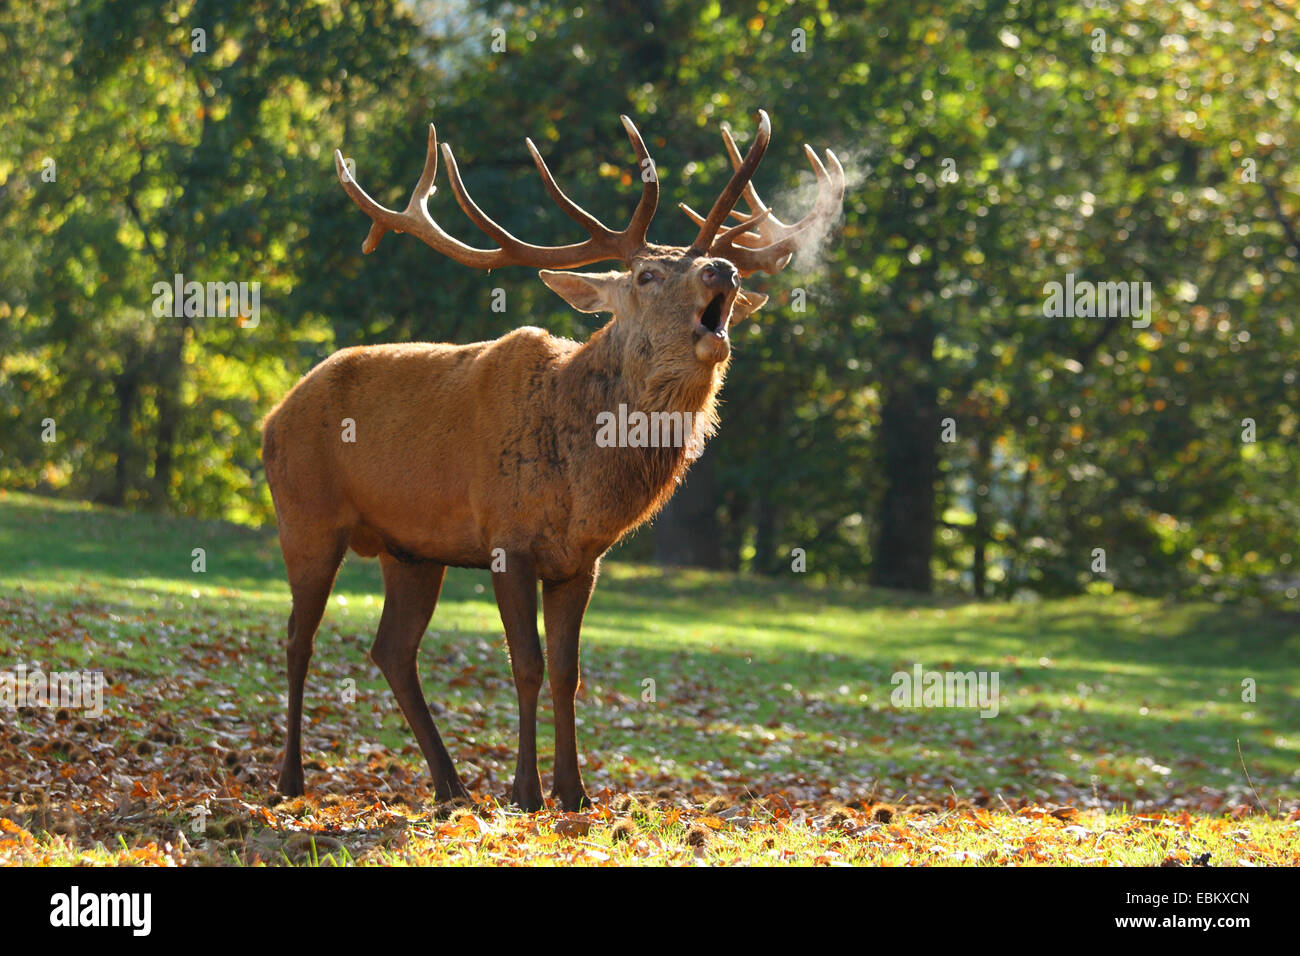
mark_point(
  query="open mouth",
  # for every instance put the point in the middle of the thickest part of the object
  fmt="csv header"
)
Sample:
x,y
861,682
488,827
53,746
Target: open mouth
x,y
712,320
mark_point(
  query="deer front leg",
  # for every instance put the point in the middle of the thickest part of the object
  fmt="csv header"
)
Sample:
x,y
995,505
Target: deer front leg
x,y
516,593
563,605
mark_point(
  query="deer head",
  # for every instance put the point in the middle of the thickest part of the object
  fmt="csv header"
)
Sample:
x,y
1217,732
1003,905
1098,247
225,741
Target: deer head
x,y
673,302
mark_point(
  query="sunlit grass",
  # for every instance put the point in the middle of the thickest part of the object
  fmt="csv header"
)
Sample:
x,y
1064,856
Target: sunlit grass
x,y
1107,703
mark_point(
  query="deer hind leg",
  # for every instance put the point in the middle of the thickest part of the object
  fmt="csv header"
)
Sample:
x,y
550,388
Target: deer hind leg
x,y
516,593
410,595
311,578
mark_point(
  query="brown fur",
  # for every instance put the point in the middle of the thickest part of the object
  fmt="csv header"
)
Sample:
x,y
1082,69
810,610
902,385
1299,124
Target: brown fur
x,y
464,449
461,449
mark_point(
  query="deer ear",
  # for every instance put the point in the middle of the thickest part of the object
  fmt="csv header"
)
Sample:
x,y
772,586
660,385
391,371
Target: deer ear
x,y
585,291
746,304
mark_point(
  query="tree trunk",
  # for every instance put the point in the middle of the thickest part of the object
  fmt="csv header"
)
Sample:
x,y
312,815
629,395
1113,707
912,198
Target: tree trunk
x,y
903,536
982,477
127,386
686,533
170,382
766,560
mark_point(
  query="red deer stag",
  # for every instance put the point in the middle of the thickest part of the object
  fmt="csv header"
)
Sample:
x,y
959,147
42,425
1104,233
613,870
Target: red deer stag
x,y
486,455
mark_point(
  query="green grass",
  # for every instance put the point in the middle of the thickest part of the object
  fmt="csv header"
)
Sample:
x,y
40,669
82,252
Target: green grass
x,y
1111,704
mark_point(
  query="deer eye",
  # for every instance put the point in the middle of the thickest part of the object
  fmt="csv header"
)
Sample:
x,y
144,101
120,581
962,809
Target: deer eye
x,y
647,276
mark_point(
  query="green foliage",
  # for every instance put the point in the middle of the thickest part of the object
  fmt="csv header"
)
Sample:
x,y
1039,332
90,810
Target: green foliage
x,y
992,147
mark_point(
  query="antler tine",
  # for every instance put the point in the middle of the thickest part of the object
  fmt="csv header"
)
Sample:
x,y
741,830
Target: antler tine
x,y
503,238
773,229
740,230
415,219
603,243
752,200
786,239
386,220
633,237
735,187
751,194
571,209
749,239
645,209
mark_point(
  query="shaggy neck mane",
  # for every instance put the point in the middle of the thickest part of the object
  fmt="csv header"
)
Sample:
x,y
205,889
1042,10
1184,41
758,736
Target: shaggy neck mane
x,y
616,367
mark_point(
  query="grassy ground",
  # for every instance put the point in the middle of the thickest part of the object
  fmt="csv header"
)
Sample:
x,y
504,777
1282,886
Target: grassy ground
x,y
1121,734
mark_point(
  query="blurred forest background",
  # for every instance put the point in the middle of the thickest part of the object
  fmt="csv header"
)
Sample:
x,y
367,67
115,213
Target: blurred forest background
x,y
993,147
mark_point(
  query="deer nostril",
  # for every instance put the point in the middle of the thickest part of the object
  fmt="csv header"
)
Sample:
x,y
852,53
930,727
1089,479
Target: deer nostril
x,y
720,274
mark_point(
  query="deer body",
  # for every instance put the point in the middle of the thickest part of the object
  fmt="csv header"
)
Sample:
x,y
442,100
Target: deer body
x,y
486,455
463,450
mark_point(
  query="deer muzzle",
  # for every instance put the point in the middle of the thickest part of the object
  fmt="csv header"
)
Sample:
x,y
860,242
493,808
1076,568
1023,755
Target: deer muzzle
x,y
711,343
721,276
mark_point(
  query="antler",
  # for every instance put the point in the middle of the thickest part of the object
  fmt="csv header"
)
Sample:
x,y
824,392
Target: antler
x,y
769,247
604,243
